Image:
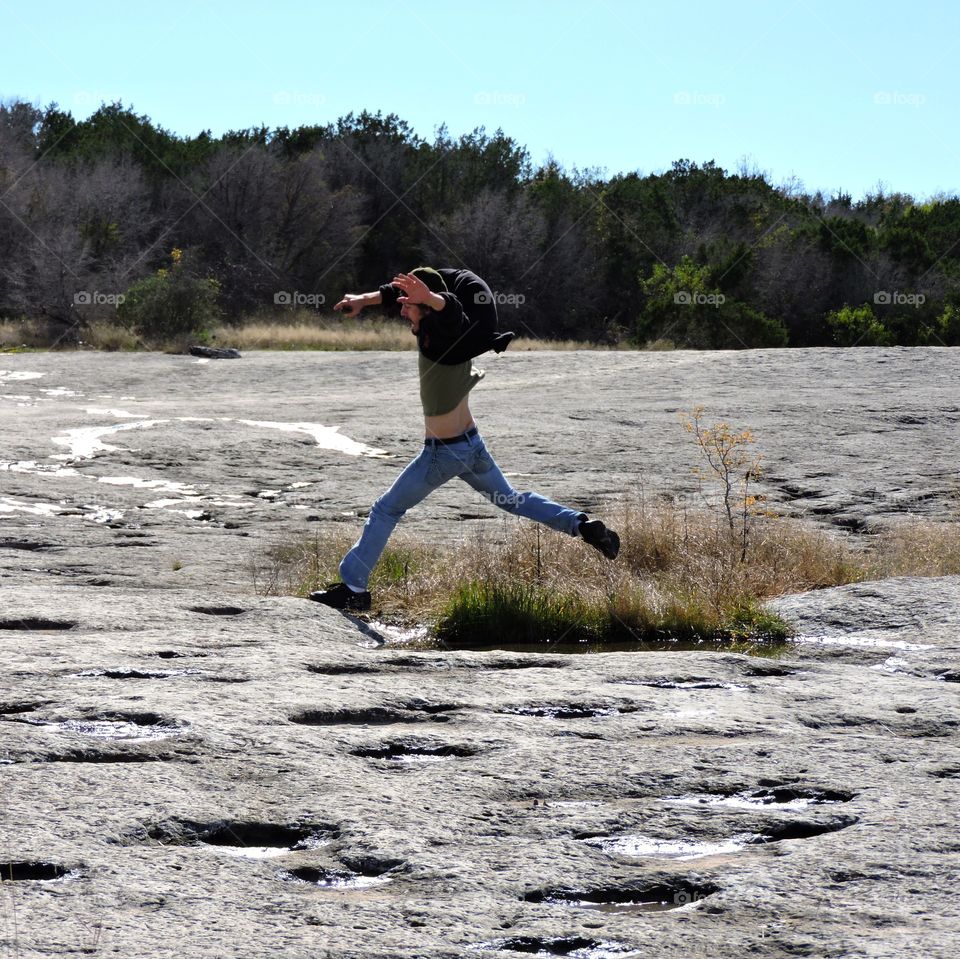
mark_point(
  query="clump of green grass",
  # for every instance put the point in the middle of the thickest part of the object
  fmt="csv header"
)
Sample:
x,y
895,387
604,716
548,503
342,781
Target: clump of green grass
x,y
480,614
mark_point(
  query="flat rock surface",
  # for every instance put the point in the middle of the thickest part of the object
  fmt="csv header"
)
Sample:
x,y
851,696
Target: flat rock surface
x,y
190,768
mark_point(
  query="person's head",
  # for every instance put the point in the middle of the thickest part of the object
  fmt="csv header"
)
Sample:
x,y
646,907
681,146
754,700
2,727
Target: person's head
x,y
413,313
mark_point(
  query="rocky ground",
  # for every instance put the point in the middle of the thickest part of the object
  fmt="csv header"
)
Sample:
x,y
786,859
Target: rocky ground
x,y
190,768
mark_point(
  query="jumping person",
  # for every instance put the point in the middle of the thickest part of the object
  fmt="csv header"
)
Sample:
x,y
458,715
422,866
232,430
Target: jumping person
x,y
452,445
470,324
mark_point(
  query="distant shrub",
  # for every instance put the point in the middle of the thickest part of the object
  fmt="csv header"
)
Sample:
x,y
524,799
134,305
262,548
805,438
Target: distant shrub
x,y
858,326
685,307
945,330
171,304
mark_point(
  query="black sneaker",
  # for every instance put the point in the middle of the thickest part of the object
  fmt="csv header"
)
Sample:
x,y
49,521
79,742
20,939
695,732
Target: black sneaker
x,y
601,538
341,596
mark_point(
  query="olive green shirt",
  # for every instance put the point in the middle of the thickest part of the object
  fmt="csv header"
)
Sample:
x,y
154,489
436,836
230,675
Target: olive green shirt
x,y
443,385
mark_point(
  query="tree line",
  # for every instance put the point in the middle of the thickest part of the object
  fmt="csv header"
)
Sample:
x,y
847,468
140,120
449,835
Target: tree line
x,y
265,220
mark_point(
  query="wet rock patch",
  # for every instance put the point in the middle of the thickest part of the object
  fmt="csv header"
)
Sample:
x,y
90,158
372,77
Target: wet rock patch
x,y
656,897
369,716
782,797
681,684
576,947
36,623
134,673
27,545
130,726
801,829
370,872
248,838
567,711
551,663
33,871
414,711
217,610
642,846
100,756
945,772
763,670
411,752
16,709
342,669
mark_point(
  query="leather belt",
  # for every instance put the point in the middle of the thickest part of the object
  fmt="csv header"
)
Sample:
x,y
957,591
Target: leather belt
x,y
436,441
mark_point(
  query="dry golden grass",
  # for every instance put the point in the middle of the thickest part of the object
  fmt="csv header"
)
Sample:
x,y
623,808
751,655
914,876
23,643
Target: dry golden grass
x,y
527,343
111,337
307,332
916,547
302,330
16,334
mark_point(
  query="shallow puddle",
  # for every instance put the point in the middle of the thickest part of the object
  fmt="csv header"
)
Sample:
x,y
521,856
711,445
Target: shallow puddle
x,y
132,672
679,849
117,729
573,803
573,947
342,879
683,684
162,486
37,871
657,897
762,799
387,634
267,852
327,437
859,641
84,442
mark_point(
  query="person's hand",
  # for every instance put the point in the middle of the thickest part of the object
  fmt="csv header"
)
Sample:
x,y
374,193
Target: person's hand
x,y
415,290
351,304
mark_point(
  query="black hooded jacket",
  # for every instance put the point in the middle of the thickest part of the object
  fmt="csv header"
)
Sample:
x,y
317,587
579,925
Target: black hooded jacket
x,y
466,327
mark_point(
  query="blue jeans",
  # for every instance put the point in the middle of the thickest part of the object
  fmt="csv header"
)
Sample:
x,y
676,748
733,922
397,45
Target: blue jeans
x,y
437,464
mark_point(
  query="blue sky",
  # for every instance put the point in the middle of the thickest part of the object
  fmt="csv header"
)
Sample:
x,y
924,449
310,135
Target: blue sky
x,y
834,94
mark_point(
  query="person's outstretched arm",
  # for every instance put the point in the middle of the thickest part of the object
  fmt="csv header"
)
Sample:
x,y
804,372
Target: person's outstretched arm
x,y
353,303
